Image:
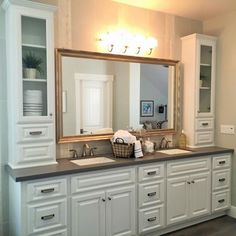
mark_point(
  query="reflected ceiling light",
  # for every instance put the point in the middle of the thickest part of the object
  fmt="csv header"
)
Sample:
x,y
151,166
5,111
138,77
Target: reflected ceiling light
x,y
125,42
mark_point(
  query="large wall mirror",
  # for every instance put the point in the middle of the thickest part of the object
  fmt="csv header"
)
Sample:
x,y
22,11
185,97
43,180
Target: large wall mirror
x,y
97,94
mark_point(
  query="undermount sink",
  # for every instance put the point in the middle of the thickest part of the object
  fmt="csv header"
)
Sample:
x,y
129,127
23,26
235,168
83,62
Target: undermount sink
x,y
174,151
91,161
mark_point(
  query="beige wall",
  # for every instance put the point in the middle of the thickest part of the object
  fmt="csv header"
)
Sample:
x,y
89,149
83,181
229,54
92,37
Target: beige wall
x,y
224,28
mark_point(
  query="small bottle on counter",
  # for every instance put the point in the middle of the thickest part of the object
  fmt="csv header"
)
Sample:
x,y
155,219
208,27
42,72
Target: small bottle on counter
x,y
182,140
148,146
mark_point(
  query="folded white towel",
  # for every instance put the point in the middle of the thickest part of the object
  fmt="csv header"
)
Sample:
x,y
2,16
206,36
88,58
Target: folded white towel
x,y
138,149
125,135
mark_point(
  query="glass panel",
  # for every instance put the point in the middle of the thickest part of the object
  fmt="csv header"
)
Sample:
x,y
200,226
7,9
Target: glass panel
x,y
205,79
34,66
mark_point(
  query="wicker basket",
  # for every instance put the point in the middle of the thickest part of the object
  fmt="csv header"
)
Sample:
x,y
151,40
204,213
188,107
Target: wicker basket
x,y
121,149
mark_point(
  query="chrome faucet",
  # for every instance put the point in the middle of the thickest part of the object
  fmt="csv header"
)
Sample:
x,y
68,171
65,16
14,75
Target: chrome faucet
x,y
90,149
164,144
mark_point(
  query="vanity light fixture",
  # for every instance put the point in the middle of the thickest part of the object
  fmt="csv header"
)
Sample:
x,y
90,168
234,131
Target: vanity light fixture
x,y
125,42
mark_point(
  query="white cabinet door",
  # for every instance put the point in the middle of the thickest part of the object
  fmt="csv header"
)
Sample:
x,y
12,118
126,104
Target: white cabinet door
x,y
177,199
88,214
120,211
200,194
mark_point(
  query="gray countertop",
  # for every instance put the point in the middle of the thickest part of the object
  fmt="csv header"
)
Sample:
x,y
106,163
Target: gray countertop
x,y
65,167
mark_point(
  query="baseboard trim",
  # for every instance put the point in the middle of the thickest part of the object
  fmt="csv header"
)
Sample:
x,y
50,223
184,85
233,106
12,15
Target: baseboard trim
x,y
232,212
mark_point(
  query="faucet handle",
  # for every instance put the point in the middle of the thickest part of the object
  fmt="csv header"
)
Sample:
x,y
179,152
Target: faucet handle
x,y
74,154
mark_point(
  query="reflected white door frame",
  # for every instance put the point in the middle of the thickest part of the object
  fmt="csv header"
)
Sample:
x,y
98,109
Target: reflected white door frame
x,y
94,99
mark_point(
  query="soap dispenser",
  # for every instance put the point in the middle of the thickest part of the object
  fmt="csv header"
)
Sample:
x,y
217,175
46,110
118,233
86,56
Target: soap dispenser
x,y
182,140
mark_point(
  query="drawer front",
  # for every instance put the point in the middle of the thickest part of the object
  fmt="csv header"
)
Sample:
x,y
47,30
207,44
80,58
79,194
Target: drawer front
x,y
47,216
151,193
204,124
44,190
85,182
188,166
151,219
220,180
36,152
205,137
151,172
220,201
32,133
222,161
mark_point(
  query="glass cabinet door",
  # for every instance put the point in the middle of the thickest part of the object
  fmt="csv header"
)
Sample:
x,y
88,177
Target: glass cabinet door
x,y
34,66
205,79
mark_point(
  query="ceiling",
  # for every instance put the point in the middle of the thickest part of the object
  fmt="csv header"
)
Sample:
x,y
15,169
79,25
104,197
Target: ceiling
x,y
193,9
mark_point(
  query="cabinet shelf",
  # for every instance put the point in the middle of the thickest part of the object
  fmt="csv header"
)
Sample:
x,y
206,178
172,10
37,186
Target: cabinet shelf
x,y
205,88
35,80
33,46
208,65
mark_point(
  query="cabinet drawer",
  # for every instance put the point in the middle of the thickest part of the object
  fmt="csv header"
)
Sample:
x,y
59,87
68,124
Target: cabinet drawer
x,y
220,201
47,216
204,124
221,161
151,219
188,166
205,137
35,152
85,182
44,190
151,193
151,172
220,179
32,133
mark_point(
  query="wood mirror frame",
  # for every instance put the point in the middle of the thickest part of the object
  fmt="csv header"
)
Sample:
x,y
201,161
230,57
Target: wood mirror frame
x,y
59,53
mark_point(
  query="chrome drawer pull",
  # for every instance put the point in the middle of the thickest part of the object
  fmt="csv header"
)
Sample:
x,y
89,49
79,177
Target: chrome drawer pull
x,y
152,173
35,132
152,219
222,180
48,217
49,190
152,194
221,200
204,124
221,162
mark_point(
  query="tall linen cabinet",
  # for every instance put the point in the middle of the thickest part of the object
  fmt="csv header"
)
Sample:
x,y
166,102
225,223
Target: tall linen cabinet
x,y
199,58
31,122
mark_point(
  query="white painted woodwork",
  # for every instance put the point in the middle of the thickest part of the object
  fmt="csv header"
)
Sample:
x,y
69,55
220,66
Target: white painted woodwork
x,y
88,214
177,199
93,99
221,179
151,193
189,193
105,203
120,211
44,190
220,201
188,166
93,181
193,118
24,32
46,216
221,161
151,219
151,172
200,192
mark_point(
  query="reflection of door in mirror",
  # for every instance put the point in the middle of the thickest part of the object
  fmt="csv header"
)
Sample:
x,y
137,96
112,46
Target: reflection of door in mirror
x,y
93,95
157,85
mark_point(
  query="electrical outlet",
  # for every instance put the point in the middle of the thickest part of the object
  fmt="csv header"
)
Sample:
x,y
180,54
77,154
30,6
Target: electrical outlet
x,y
227,129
